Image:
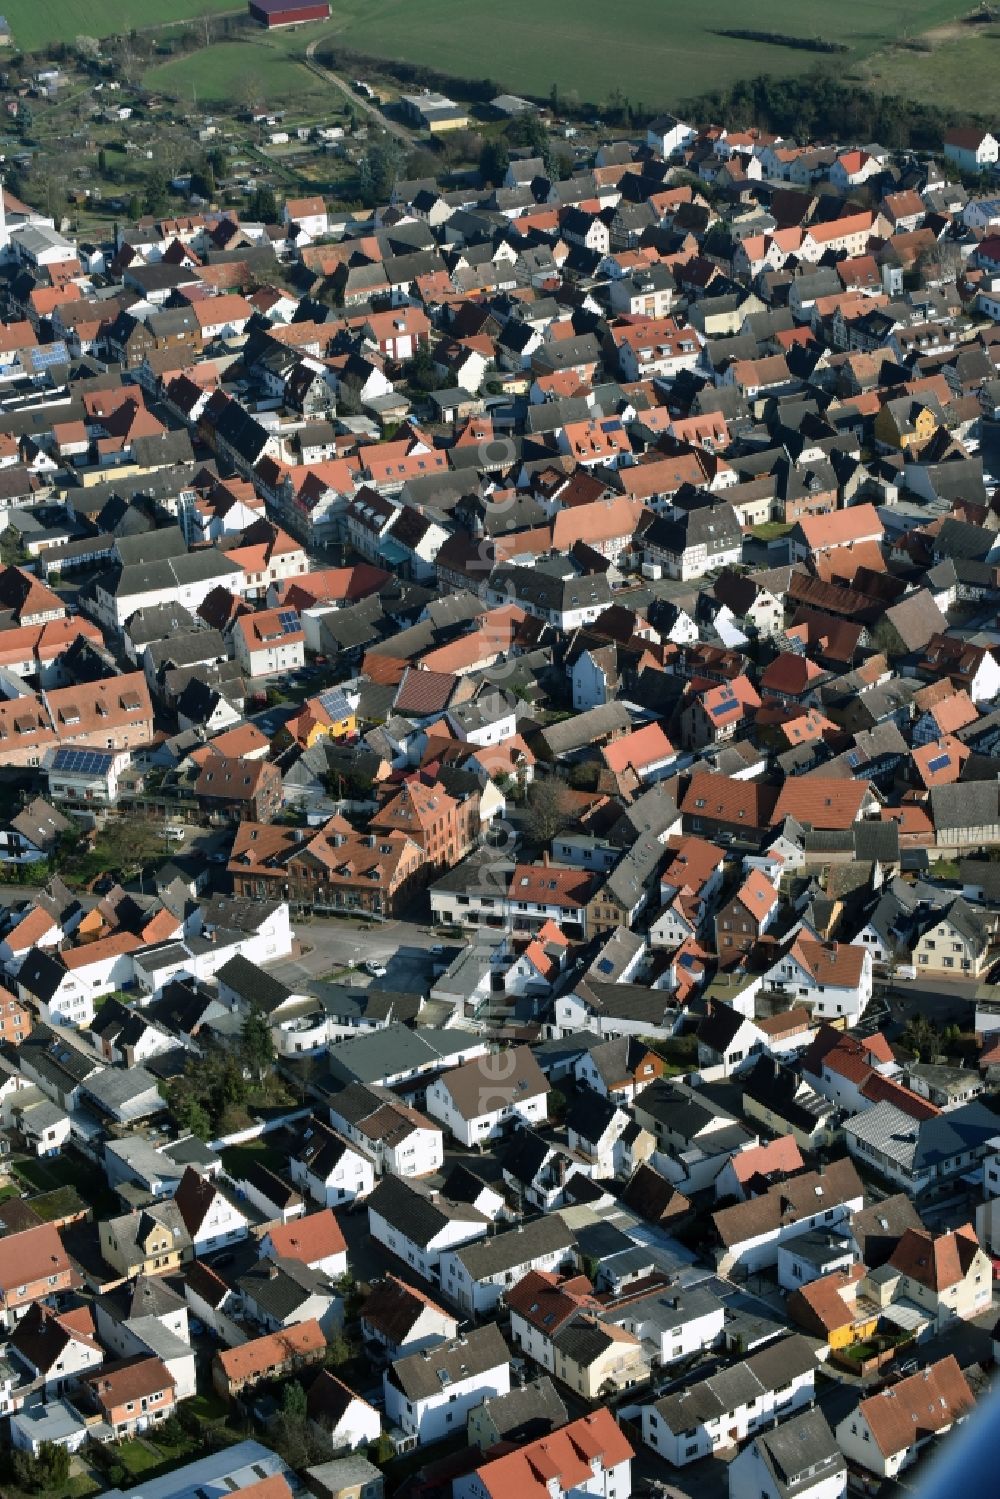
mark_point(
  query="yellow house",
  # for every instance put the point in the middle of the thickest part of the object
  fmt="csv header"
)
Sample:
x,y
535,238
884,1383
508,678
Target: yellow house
x,y
830,1308
906,423
326,716
597,1358
91,928
958,944
947,1275
150,1241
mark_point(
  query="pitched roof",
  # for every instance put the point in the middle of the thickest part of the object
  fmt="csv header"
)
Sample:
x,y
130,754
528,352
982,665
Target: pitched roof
x,y
38,1249
935,1261
393,1307
910,1411
798,1197
781,1154
308,1239
257,1359
565,1456
475,1087
821,802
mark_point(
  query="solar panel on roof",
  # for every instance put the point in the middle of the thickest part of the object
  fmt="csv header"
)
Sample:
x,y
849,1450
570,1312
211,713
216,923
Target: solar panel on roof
x,y
82,761
48,354
940,762
289,621
333,702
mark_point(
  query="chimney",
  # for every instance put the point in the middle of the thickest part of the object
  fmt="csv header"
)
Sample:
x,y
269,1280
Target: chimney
x,y
545,859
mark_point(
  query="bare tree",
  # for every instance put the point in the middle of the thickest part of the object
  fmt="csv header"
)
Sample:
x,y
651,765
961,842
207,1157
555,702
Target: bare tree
x,y
549,809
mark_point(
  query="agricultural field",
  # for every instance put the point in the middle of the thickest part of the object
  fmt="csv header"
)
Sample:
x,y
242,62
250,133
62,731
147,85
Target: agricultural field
x,y
657,52
954,67
233,72
35,23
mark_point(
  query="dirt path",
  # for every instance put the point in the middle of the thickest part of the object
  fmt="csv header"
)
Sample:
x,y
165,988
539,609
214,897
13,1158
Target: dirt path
x,y
399,131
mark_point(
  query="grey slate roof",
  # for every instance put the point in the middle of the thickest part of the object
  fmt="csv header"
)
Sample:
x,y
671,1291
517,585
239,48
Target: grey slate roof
x,y
421,1376
409,1209
489,1257
801,1453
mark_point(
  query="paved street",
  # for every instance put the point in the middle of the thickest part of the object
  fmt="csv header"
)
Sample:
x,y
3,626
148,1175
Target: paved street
x,y
332,944
945,1002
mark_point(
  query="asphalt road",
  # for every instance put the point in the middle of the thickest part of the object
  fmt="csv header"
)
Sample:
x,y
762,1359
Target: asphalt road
x,y
332,944
944,1001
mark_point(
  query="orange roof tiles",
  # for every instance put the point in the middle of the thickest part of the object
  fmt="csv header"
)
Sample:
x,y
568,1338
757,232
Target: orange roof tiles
x,y
315,1237
908,1412
781,1154
821,802
639,750
256,1359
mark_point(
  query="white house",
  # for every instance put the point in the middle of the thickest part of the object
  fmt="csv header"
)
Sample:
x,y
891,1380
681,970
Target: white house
x,y
211,1219
402,1319
310,214
55,1352
347,1422
971,149
799,1457
666,135
475,1277
727,1407
888,1430
675,1322
329,1168
315,1240
411,1147
484,1098
750,1233
58,1423
270,642
418,1225
835,977
428,1395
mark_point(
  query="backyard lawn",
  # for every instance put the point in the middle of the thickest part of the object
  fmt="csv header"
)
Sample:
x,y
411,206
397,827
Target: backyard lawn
x,y
137,1457
68,1170
254,1152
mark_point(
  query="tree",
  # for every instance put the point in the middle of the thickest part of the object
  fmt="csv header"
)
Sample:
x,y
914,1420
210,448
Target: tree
x,y
157,189
381,1451
338,1351
549,809
257,1045
263,206
920,1036
293,1401
378,171
46,1473
421,371
203,181
494,159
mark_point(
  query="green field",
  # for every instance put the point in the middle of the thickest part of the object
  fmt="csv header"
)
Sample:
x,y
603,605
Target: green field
x,y
656,51
221,74
960,69
36,22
